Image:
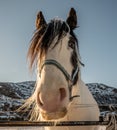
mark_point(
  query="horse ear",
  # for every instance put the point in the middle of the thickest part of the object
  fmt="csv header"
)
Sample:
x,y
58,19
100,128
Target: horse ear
x,y
72,19
40,20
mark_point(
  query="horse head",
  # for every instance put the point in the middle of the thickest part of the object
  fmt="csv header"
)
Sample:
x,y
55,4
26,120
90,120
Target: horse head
x,y
54,51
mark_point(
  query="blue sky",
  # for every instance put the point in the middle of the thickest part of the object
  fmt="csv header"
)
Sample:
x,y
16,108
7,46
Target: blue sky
x,y
97,36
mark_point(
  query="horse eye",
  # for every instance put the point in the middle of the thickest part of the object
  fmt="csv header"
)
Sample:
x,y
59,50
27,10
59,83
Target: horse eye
x,y
71,44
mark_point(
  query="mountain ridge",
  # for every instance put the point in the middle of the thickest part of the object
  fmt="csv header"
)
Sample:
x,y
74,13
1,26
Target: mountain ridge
x,y
12,96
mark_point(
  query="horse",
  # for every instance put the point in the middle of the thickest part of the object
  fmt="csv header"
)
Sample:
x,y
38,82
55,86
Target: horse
x,y
59,94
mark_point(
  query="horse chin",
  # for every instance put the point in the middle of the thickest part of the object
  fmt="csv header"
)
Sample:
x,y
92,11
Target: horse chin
x,y
54,115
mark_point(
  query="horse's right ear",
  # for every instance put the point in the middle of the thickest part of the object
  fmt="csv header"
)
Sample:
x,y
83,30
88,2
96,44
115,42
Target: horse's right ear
x,y
72,19
40,20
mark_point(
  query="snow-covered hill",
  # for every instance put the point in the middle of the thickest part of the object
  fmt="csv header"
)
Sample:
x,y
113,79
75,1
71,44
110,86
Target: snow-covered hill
x,y
104,95
13,94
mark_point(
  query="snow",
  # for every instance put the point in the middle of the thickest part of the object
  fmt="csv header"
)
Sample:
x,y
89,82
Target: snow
x,y
103,93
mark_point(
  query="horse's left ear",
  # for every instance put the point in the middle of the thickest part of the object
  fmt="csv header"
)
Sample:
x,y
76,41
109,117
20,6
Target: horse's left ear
x,y
40,20
72,19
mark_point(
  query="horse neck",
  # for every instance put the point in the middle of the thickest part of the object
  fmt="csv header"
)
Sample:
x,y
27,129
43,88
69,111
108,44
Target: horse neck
x,y
79,104
73,106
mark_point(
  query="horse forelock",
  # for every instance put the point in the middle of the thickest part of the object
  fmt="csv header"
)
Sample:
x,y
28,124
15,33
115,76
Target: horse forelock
x,y
43,38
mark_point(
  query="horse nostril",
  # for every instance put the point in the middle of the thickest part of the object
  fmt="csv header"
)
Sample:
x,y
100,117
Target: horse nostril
x,y
62,93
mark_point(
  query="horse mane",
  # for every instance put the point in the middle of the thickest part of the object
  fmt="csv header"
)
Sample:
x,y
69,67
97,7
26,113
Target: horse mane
x,y
43,38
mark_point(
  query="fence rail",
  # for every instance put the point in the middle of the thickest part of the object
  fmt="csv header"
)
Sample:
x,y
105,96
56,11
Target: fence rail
x,y
45,123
